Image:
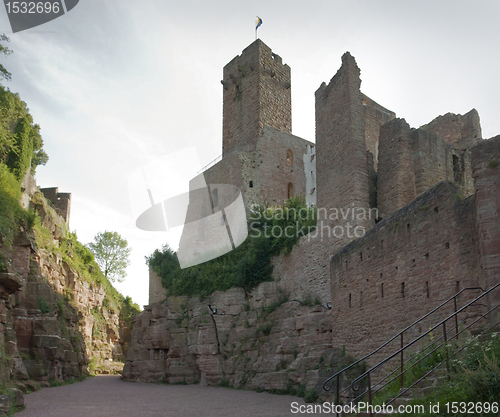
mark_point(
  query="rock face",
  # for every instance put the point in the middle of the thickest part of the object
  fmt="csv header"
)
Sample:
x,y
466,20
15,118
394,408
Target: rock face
x,y
54,323
255,340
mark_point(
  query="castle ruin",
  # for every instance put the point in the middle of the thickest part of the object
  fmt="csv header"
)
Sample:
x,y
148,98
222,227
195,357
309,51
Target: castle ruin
x,y
435,192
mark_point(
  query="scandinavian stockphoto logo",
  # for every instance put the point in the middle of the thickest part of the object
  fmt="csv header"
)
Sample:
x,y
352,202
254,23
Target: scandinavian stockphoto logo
x,y
213,216
28,14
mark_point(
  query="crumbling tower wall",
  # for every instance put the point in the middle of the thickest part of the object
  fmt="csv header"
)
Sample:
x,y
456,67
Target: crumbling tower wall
x,y
457,130
413,160
396,178
342,171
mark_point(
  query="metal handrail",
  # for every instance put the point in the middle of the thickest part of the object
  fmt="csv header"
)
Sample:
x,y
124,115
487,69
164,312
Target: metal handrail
x,y
431,329
398,335
214,161
210,164
432,351
379,387
443,361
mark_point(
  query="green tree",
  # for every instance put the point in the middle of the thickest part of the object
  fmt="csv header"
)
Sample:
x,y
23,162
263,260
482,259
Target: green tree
x,y
4,74
20,140
112,254
128,309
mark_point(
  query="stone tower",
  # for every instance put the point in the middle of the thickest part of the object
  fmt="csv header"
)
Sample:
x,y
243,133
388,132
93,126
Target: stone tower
x,y
256,93
342,170
347,136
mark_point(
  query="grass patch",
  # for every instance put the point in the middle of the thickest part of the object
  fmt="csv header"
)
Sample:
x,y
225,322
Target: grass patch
x,y
309,396
310,300
225,383
281,299
474,378
265,328
43,305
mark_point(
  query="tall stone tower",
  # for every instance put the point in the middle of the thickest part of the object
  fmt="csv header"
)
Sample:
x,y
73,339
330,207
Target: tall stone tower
x,y
347,136
342,169
256,93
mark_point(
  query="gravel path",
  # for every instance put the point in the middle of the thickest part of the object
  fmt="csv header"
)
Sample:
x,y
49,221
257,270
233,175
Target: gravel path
x,y
109,396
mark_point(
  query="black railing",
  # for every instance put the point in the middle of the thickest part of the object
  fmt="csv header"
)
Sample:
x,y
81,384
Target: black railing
x,y
367,378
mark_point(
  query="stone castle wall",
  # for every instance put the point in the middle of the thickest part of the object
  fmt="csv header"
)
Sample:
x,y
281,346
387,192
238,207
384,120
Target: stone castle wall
x,y
264,174
156,291
281,166
457,130
404,267
375,117
486,171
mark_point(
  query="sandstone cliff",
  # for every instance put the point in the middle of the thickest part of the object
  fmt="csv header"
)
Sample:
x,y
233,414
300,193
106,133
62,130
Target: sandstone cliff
x,y
59,320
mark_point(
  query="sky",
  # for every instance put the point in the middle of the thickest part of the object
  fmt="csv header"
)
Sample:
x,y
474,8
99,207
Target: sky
x,y
117,84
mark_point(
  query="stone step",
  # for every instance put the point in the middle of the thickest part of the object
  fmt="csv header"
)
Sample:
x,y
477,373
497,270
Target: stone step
x,y
402,400
427,382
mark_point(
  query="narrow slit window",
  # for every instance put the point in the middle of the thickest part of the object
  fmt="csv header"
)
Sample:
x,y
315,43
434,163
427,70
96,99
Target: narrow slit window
x,y
215,197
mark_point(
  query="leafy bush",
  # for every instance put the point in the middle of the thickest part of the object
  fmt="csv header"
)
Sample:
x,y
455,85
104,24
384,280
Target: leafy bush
x,y
283,226
128,309
20,140
250,263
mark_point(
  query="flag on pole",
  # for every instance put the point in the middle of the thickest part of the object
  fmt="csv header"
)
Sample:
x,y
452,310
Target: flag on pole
x,y
258,22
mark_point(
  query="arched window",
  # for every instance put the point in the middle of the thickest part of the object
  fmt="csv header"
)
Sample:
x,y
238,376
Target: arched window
x,y
289,157
290,190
